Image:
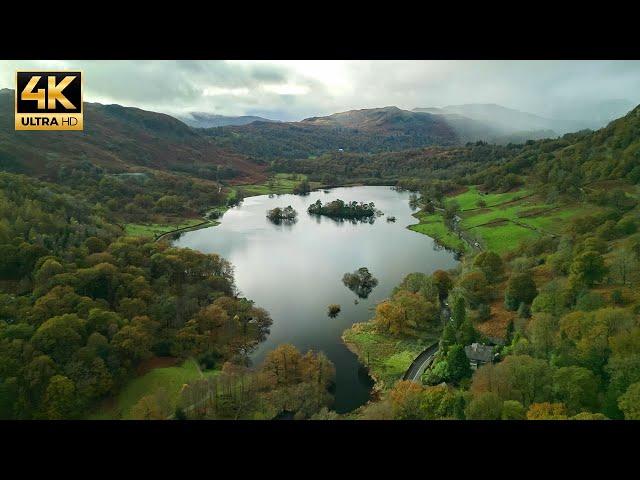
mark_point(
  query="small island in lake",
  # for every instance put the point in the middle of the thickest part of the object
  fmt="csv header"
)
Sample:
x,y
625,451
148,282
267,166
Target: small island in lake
x,y
341,209
361,282
333,310
279,215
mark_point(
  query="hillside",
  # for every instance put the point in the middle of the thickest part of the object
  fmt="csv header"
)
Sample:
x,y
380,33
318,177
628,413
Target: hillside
x,y
209,120
118,139
567,164
372,130
392,120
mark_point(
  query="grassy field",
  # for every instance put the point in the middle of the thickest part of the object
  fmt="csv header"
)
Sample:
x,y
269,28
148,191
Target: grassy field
x,y
512,217
170,378
433,226
505,221
472,196
386,357
504,236
156,229
282,183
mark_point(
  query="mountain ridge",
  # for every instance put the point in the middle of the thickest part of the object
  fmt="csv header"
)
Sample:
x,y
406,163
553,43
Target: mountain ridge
x,y
116,138
210,120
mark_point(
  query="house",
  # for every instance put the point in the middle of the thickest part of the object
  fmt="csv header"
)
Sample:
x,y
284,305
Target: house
x,y
479,354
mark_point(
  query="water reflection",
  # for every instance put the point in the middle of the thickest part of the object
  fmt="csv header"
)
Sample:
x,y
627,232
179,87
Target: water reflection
x,y
295,271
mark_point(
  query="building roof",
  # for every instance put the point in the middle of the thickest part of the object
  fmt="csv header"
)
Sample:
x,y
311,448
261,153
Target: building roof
x,y
477,352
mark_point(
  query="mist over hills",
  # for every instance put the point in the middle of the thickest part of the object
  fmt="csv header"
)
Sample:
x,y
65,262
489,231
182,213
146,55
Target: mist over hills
x,y
564,117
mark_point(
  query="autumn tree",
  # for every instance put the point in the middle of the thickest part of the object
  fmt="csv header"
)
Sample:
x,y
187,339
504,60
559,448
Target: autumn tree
x,y
547,411
283,364
406,399
443,282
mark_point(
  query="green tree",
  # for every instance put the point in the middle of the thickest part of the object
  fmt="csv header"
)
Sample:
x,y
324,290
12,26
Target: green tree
x,y
588,268
59,337
543,331
59,399
485,406
448,337
458,364
459,313
443,282
521,288
475,288
576,387
513,410
491,265
467,334
629,402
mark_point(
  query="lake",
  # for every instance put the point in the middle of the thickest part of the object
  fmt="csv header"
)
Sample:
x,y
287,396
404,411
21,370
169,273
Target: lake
x,y
295,271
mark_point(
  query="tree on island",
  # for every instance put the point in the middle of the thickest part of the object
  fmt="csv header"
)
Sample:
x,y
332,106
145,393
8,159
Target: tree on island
x,y
361,282
278,215
333,310
341,209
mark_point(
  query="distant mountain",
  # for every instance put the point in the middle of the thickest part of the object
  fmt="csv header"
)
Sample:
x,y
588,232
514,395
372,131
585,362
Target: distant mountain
x,y
387,120
370,130
209,120
116,138
466,128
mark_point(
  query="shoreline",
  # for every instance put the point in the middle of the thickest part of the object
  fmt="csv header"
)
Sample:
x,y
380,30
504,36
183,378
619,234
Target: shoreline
x,y
378,384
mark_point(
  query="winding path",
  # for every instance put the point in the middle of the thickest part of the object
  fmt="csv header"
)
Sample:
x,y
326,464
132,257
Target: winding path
x,y
419,365
424,360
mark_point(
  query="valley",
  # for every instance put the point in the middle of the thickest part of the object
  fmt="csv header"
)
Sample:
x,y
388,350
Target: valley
x,y
140,277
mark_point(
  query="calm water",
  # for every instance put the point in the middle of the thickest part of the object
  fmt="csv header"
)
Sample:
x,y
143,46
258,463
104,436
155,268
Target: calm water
x,y
295,271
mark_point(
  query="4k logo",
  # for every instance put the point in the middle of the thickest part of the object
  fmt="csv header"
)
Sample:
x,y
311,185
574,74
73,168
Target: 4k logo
x,y
49,101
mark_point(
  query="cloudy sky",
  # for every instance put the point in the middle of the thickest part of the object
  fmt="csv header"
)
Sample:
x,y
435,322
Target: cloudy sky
x,y
292,90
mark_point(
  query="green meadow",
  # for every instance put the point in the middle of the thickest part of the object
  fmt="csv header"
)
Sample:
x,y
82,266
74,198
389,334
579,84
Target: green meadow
x,y
156,229
506,219
171,379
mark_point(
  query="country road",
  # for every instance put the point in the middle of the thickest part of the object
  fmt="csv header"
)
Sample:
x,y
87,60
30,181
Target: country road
x,y
421,362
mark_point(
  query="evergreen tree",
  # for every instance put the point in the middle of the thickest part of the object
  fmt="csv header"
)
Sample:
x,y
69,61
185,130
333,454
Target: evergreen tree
x,y
459,313
458,364
448,336
466,335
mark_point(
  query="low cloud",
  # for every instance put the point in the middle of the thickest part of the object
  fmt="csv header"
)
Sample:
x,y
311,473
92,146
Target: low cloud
x,y
289,90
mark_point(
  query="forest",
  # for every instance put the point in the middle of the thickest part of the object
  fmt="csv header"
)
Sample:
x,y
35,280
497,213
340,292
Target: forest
x,y
559,313
82,306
